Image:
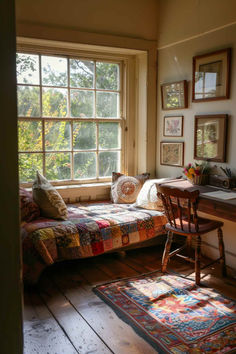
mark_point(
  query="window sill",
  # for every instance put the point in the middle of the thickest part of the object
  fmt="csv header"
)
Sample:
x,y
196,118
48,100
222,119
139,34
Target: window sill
x,y
83,185
76,193
85,192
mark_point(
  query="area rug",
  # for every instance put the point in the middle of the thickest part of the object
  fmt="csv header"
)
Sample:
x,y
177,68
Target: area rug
x,y
174,314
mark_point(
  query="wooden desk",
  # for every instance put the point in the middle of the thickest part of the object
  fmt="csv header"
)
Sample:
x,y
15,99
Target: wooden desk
x,y
225,209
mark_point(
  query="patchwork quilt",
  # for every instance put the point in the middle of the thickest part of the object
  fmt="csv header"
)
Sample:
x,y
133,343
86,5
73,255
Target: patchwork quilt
x,y
91,229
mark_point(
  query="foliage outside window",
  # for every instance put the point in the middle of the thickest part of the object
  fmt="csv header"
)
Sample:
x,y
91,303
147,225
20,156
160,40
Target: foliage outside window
x,y
69,122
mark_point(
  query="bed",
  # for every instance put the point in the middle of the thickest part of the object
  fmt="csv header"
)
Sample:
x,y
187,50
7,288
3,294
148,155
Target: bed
x,y
91,230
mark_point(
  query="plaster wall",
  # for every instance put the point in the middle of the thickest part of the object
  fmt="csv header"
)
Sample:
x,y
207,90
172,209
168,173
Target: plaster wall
x,y
133,18
181,19
175,64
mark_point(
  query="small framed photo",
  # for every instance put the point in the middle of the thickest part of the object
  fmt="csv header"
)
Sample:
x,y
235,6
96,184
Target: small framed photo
x,y
211,76
174,95
210,137
173,126
172,154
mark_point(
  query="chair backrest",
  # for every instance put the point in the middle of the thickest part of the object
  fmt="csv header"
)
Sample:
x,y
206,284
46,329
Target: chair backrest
x,y
180,205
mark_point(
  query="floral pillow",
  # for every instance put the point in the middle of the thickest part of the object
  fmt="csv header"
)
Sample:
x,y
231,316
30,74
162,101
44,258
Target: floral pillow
x,y
125,189
29,210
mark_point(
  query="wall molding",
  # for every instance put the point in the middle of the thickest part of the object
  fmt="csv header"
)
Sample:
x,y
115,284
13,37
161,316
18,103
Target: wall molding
x,y
197,35
63,34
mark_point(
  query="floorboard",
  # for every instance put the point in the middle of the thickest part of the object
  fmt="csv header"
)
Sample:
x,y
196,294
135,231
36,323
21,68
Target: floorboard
x,y
63,315
118,336
42,333
79,332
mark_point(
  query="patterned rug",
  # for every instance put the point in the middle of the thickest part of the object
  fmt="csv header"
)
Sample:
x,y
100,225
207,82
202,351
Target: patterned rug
x,y
174,314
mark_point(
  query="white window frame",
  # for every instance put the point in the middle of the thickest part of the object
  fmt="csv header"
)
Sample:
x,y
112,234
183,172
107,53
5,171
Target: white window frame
x,y
134,108
122,108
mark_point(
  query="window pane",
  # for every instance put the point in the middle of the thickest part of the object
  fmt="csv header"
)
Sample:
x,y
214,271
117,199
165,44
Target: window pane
x,y
54,71
81,73
82,103
107,76
57,136
54,102
109,135
107,104
27,69
84,165
29,136
58,166
84,135
28,101
108,161
29,164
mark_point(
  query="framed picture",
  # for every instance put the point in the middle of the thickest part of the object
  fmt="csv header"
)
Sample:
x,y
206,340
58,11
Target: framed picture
x,y
174,95
173,126
172,154
210,137
211,76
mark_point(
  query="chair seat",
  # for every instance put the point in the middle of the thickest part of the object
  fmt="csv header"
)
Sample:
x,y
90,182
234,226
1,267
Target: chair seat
x,y
205,225
183,220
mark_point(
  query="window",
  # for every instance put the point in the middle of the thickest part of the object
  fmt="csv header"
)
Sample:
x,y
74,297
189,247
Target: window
x,y
69,117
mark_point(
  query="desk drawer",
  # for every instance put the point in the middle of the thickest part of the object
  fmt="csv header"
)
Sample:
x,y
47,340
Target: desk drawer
x,y
220,209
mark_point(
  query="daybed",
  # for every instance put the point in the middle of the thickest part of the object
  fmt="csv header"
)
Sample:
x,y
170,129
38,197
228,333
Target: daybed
x,y
90,230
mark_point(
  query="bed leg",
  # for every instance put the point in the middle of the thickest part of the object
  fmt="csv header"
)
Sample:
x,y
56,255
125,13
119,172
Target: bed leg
x,y
121,254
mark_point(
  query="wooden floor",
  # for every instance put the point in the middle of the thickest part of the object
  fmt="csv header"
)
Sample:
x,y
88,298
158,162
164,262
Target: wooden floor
x,y
63,315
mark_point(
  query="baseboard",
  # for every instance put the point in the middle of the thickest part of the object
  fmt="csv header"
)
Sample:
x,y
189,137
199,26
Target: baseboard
x,y
216,248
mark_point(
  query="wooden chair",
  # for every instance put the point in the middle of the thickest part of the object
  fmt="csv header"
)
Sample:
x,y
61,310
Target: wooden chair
x,y
181,211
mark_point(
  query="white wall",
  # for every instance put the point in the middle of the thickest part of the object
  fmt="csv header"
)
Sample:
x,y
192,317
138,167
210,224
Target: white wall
x,y
182,19
131,18
175,63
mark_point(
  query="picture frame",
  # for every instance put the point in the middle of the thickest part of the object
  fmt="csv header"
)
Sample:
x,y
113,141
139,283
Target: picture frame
x,y
211,76
210,137
174,95
172,153
173,126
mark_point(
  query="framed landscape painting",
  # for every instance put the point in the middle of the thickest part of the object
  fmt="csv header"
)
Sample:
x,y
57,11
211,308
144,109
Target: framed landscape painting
x,y
172,154
211,76
210,137
174,95
173,126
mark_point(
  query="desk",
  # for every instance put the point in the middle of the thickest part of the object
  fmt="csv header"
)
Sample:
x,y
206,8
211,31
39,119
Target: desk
x,y
225,209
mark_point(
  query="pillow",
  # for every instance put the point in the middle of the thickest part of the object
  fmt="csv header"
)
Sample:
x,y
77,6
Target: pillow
x,y
147,197
48,199
125,189
29,210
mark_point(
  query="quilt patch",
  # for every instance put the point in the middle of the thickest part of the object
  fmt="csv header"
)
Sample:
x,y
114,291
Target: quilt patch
x,y
91,229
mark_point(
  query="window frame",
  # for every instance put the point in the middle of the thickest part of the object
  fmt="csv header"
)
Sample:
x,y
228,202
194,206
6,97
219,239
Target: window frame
x,y
122,120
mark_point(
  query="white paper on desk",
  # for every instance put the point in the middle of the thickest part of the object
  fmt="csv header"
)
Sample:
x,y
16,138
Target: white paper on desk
x,y
221,195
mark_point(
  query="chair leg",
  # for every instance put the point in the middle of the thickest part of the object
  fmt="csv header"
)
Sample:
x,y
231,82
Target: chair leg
x,y
165,257
188,243
222,252
197,261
